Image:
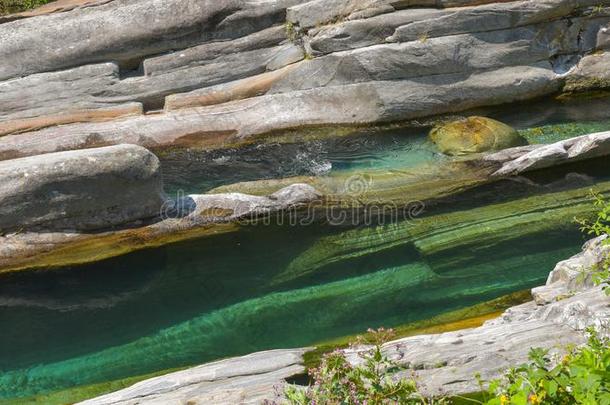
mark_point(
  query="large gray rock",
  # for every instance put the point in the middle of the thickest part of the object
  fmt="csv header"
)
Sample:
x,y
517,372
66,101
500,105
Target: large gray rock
x,y
240,121
67,96
127,31
520,160
241,380
82,190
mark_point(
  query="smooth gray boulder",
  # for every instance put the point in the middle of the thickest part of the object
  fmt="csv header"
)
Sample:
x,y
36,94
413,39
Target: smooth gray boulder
x,y
241,380
81,190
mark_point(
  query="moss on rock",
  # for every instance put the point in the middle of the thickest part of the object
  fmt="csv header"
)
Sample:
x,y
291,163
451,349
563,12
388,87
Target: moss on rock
x,y
474,135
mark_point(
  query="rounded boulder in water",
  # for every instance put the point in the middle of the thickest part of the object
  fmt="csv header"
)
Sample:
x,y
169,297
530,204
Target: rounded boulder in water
x,y
474,135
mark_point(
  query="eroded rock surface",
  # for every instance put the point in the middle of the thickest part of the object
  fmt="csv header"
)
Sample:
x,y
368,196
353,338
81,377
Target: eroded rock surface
x,y
241,380
80,190
519,160
193,216
216,67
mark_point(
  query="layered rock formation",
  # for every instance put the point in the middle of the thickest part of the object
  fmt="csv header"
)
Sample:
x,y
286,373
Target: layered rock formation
x,y
222,65
442,363
199,215
83,78
191,217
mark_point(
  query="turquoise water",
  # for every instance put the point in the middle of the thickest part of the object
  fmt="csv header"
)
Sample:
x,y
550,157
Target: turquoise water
x,y
194,302
201,300
542,121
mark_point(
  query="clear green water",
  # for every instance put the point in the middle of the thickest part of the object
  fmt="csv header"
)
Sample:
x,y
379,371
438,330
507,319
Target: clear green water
x,y
208,299
194,302
542,121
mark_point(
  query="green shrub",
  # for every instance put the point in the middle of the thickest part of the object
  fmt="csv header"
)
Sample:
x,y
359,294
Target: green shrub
x,y
15,6
600,226
582,376
337,382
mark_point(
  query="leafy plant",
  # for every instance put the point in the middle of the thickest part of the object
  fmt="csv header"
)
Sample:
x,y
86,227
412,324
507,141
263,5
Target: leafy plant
x,y
337,382
582,376
15,6
600,226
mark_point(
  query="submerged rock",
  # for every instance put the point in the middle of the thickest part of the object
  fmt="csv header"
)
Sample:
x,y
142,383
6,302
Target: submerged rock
x,y
442,363
465,229
81,190
191,217
475,135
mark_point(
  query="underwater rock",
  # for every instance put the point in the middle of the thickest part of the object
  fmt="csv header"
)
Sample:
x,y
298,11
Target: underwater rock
x,y
191,217
431,235
81,190
442,363
448,362
474,135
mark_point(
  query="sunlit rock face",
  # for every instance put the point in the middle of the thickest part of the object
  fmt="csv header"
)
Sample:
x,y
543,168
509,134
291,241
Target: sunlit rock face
x,y
216,67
